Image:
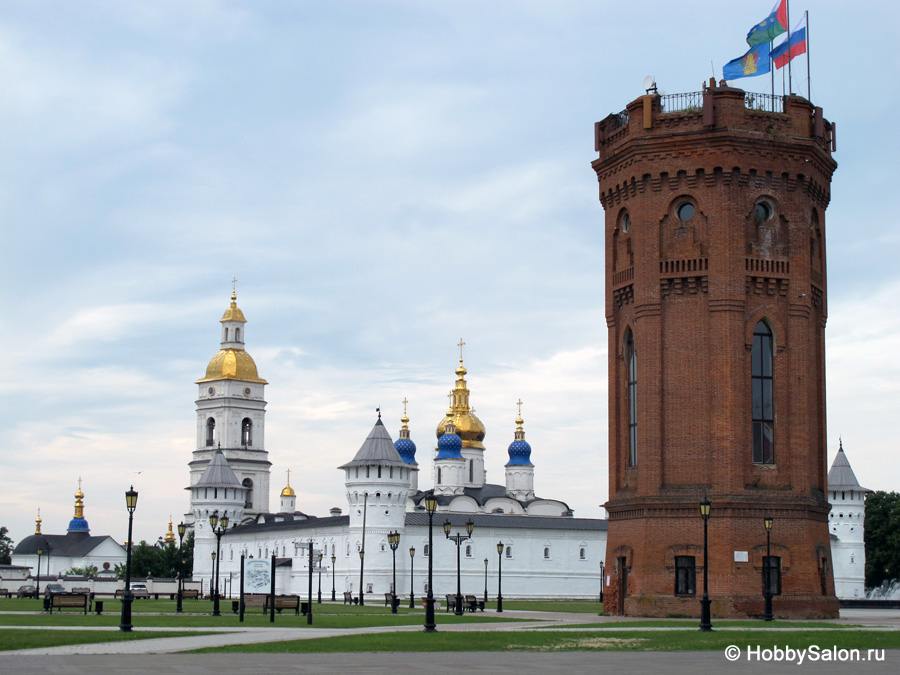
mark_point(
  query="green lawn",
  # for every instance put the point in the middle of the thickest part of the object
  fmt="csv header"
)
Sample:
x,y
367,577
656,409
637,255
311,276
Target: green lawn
x,y
34,639
544,641
156,614
693,623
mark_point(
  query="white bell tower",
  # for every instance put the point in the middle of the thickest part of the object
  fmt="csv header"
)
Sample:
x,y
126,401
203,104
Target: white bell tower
x,y
231,414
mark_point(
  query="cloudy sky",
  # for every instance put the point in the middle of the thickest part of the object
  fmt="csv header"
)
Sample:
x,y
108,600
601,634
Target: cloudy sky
x,y
383,178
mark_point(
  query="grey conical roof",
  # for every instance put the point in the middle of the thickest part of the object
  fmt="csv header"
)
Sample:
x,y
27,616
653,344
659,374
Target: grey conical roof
x,y
218,473
841,476
377,449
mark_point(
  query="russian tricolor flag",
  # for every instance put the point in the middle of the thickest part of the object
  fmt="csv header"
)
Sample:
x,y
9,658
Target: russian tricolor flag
x,y
796,39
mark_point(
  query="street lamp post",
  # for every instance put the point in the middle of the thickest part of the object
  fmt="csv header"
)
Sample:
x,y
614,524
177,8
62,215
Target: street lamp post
x,y
768,521
319,599
430,508
131,497
485,581
412,589
333,561
181,530
705,618
309,611
602,580
394,542
458,539
499,576
219,526
37,593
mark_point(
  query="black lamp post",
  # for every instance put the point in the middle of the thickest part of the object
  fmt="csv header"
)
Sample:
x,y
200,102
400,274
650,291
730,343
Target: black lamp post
x,y
37,593
362,558
705,618
394,542
333,561
499,576
319,599
181,529
602,580
219,525
485,580
412,589
768,521
430,508
309,611
49,550
458,539
131,504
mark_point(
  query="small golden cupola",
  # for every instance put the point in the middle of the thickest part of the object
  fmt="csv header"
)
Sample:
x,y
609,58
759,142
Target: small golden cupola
x,y
469,428
288,497
232,362
37,523
170,535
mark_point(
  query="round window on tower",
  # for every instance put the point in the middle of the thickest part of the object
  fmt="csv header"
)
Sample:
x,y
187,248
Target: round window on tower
x,y
763,212
212,391
246,391
685,211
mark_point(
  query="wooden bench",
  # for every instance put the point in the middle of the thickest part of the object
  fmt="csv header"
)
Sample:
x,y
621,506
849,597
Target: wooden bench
x,y
4,592
388,597
284,602
451,601
472,603
255,600
190,593
349,599
81,589
61,600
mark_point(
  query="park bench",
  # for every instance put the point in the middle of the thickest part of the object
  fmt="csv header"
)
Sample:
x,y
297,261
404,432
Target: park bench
x,y
255,600
349,599
472,603
81,589
451,602
283,602
61,600
388,597
4,592
190,593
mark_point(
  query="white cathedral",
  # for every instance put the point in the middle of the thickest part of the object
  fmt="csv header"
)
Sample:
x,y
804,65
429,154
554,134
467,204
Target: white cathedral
x,y
543,550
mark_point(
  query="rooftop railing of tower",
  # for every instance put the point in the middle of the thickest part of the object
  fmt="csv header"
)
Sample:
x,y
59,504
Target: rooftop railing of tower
x,y
690,102
693,102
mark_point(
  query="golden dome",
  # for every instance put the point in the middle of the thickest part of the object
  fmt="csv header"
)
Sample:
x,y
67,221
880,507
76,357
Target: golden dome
x,y
232,364
288,490
468,427
233,313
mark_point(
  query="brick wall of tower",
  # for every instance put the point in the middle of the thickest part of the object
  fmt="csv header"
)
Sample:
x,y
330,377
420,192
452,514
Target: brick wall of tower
x,y
691,292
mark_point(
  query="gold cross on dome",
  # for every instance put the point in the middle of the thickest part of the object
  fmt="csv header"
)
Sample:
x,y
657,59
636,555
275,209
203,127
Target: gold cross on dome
x,y
519,403
79,483
404,406
234,285
460,344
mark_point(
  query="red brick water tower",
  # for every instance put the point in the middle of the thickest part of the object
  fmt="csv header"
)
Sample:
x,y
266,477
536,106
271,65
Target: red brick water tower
x,y
716,306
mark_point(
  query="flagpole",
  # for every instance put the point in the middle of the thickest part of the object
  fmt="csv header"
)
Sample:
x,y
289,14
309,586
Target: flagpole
x,y
787,4
806,18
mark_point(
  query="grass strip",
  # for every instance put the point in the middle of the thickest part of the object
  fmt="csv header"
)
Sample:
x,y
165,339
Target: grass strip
x,y
544,641
35,639
229,620
724,623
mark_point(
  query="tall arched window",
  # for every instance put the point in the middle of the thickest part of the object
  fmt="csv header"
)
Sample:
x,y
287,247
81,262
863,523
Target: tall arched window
x,y
226,335
237,334
246,432
761,375
248,497
210,431
631,387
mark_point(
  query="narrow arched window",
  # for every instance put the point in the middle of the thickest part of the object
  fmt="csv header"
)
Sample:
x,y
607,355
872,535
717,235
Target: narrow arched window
x,y
761,375
210,431
546,553
468,551
439,475
581,554
246,432
237,334
226,335
631,393
509,551
248,496
471,471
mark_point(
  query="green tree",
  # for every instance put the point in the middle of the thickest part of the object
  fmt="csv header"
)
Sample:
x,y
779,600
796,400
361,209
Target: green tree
x,y
6,547
882,538
88,571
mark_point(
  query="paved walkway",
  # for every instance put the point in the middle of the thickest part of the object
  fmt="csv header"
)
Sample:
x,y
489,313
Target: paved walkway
x,y
158,656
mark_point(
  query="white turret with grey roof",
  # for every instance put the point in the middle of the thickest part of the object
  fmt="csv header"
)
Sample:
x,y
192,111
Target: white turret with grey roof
x,y
846,524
